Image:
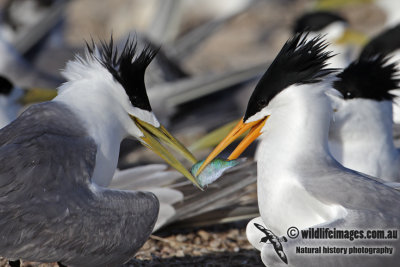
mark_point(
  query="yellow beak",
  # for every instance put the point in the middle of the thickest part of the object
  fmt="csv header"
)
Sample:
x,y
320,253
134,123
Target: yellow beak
x,y
336,4
151,139
36,95
353,37
255,131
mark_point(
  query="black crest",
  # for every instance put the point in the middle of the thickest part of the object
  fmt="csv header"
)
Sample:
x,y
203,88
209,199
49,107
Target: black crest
x,y
128,68
370,78
316,21
300,61
5,86
384,43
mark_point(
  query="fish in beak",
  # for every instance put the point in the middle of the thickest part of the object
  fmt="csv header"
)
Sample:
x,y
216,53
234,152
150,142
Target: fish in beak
x,y
255,128
152,137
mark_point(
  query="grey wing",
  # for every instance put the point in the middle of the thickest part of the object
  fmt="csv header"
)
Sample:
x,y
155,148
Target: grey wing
x,y
226,192
357,193
151,175
49,210
153,178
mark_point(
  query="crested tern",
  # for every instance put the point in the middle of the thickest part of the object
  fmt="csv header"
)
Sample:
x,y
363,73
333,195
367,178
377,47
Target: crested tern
x,y
361,135
299,183
57,156
342,40
387,43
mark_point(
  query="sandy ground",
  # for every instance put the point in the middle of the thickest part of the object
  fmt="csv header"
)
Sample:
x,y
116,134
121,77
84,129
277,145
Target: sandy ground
x,y
222,245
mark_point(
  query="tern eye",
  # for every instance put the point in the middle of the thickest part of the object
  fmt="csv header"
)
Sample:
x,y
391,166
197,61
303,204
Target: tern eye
x,y
262,103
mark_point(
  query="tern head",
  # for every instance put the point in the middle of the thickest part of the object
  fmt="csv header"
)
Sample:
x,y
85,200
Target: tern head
x,y
114,80
300,63
368,78
334,27
365,86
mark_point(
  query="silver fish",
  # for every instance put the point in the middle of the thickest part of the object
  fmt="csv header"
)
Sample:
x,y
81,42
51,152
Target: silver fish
x,y
214,170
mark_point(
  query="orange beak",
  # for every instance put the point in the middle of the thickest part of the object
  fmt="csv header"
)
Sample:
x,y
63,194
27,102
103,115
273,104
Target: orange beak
x,y
255,131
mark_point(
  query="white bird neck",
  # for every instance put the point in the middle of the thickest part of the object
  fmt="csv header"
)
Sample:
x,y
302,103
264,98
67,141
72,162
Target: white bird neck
x,y
97,108
364,121
293,146
96,103
364,128
297,128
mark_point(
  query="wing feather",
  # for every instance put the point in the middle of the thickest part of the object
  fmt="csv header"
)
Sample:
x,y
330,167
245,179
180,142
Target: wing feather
x,y
49,210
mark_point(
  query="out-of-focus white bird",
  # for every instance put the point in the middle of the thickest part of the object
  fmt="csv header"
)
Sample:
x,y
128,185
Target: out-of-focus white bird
x,y
361,135
13,99
337,32
299,183
9,106
20,72
59,156
26,22
391,10
387,43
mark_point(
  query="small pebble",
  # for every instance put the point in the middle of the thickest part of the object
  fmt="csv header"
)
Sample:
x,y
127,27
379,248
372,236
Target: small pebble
x,y
180,253
215,243
197,241
181,238
203,235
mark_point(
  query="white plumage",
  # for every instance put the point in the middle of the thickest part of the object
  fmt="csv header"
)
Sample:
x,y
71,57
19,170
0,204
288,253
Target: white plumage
x,y
299,183
361,137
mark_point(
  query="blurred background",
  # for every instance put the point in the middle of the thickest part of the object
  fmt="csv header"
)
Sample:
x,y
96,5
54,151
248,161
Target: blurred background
x,y
211,56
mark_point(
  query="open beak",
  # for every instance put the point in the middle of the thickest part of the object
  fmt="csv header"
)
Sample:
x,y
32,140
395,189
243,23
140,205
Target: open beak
x,y
36,95
255,131
151,139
